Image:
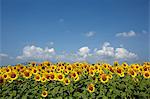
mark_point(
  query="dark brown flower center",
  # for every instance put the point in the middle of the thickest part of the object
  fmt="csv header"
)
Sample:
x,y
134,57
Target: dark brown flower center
x,y
60,77
13,75
146,74
26,74
119,70
52,76
91,88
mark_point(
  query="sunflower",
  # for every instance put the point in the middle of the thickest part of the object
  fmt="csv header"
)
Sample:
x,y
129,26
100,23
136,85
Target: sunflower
x,y
53,67
6,76
120,72
37,77
43,79
58,69
104,78
13,75
132,73
66,81
34,71
66,71
69,67
146,74
124,65
60,76
27,74
44,94
92,73
74,74
111,69
46,63
116,63
1,79
52,76
7,69
91,88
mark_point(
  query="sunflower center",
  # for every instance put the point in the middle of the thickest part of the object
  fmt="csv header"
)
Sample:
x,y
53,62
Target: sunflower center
x,y
43,67
146,74
69,68
90,88
104,78
37,77
13,75
26,74
44,93
119,70
5,76
60,77
132,73
74,75
52,76
67,81
34,71
7,70
1,80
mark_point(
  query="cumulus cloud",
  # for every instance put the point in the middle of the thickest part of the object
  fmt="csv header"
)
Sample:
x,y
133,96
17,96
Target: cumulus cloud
x,y
126,34
34,52
90,34
106,50
122,53
105,53
115,53
84,51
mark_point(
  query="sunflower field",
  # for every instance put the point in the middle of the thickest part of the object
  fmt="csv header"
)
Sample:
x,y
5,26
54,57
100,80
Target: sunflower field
x,y
79,80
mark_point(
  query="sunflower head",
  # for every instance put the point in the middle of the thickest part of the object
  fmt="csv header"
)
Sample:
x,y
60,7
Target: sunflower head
x,y
37,77
44,94
91,88
92,73
66,81
132,73
146,74
27,74
60,77
6,76
120,71
52,76
13,75
43,79
116,63
104,78
74,74
1,79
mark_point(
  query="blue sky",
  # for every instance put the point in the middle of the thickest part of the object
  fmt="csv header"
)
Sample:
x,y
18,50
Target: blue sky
x,y
66,25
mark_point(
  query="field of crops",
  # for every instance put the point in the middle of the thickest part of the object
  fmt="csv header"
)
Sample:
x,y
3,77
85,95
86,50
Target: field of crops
x,y
75,80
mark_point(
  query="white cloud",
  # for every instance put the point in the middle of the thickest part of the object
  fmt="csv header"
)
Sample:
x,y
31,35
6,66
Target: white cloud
x,y
33,52
105,53
126,34
122,53
106,50
84,51
90,34
116,53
